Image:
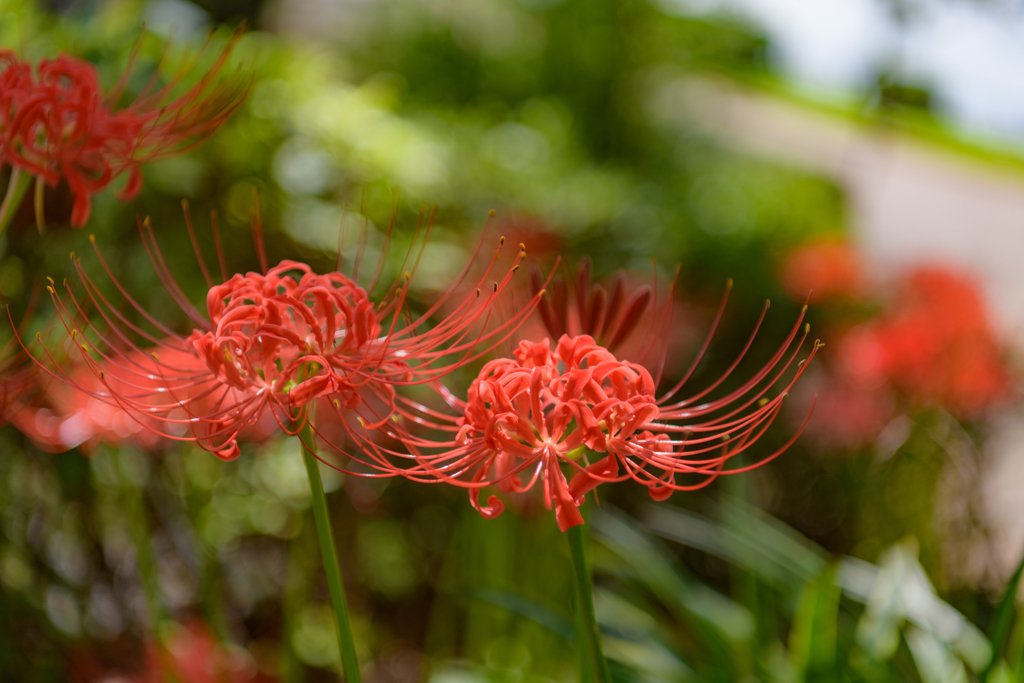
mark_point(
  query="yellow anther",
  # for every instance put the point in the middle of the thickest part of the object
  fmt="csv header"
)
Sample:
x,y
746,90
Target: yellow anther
x,y
763,402
92,238
502,240
807,328
50,289
50,279
408,275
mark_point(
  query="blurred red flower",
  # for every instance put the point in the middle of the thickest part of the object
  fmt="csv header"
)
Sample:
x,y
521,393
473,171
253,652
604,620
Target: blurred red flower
x,y
823,269
934,344
56,122
534,233
79,412
847,413
191,654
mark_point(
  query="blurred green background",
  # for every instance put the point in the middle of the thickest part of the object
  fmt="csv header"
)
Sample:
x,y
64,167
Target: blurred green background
x,y
618,130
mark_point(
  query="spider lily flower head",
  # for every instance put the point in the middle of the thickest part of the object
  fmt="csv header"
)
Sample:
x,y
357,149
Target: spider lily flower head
x,y
270,343
291,333
56,122
576,408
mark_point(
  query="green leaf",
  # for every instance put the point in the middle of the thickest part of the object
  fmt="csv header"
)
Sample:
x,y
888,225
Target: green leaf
x,y
1003,621
725,629
812,642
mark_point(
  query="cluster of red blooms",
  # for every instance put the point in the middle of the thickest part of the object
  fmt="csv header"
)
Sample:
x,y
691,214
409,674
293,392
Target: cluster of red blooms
x,y
931,345
273,344
287,349
56,122
934,343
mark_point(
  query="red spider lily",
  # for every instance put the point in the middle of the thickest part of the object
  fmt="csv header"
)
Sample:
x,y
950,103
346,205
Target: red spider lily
x,y
528,417
935,345
57,123
823,269
270,344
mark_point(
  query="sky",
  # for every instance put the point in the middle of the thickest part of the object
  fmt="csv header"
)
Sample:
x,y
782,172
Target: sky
x,y
968,54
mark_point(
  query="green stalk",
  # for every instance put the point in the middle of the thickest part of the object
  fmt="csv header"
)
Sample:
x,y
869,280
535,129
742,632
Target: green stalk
x,y
15,193
335,588
588,638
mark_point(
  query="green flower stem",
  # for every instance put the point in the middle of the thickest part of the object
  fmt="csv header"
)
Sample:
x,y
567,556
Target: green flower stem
x,y
349,663
588,638
15,193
